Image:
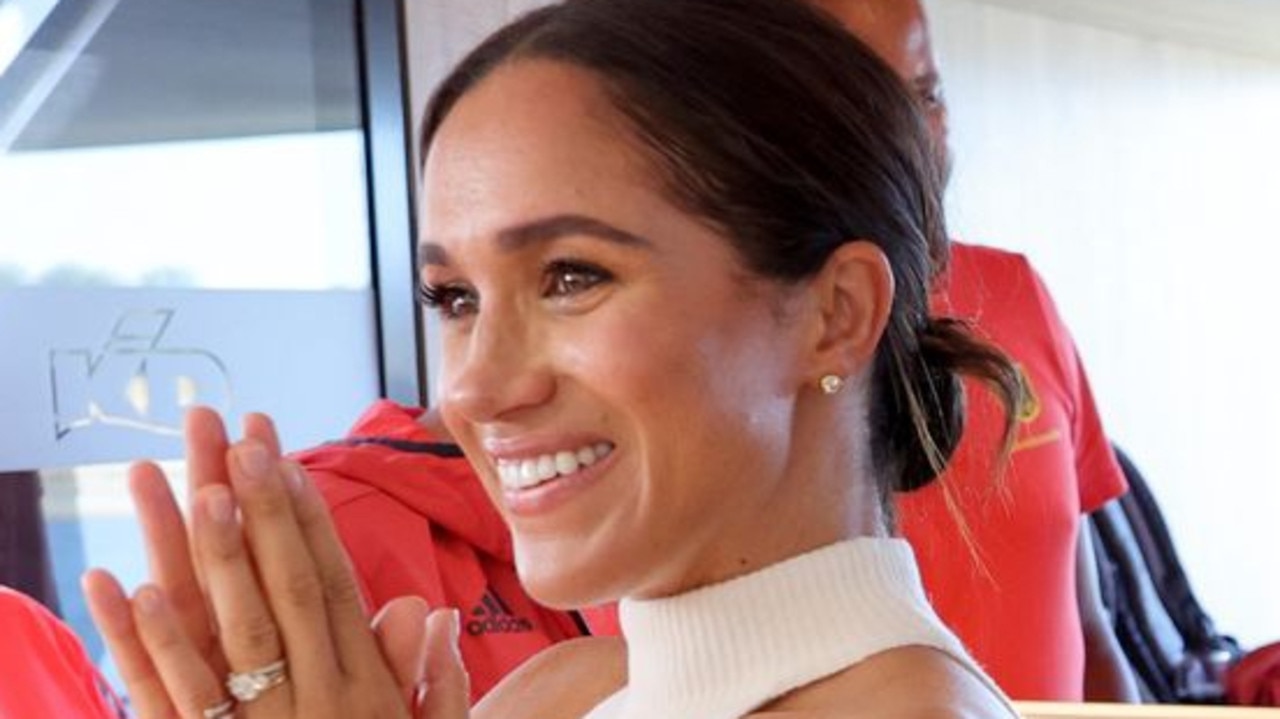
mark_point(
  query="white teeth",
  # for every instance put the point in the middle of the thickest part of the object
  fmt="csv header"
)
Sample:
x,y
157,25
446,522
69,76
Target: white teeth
x,y
566,462
528,472
532,471
546,468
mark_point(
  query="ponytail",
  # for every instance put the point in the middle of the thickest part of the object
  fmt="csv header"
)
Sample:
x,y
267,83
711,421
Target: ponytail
x,y
921,410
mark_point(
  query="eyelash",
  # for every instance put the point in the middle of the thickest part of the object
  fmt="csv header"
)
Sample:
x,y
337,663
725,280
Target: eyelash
x,y
445,299
442,298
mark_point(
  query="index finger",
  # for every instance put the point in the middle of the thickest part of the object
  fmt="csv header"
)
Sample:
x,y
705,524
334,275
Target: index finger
x,y
168,551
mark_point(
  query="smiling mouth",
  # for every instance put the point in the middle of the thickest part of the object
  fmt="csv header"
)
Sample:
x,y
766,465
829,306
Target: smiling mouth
x,y
520,474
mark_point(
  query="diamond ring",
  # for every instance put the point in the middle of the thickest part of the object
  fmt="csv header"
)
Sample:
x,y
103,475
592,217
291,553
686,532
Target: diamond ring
x,y
247,686
225,710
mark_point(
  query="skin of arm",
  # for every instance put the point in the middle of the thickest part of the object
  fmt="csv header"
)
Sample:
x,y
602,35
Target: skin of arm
x,y
1107,674
564,681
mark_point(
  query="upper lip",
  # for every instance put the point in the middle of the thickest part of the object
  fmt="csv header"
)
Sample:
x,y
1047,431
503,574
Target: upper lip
x,y
508,449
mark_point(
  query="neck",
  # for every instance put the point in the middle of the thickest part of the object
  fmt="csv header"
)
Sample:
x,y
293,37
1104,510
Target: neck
x,y
822,496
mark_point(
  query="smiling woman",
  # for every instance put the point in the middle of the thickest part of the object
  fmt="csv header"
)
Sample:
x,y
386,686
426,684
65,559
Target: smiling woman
x,y
681,253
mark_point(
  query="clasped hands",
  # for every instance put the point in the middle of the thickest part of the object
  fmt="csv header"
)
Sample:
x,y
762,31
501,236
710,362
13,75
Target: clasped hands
x,y
256,597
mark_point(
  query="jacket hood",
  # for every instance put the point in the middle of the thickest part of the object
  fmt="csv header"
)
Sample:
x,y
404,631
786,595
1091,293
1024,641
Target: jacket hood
x,y
390,452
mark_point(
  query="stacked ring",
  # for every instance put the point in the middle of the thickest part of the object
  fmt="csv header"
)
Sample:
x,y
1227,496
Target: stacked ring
x,y
248,686
225,710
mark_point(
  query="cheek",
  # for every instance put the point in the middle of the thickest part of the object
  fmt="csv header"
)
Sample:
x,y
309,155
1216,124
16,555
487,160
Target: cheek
x,y
683,371
629,357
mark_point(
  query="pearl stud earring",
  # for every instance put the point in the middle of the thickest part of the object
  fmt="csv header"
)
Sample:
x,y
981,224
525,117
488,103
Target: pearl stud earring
x,y
831,383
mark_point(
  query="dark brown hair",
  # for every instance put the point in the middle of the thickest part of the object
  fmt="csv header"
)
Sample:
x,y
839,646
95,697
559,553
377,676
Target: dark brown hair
x,y
775,125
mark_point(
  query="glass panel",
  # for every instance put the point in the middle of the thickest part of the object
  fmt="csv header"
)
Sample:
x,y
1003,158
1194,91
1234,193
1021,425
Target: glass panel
x,y
182,187
176,143
184,219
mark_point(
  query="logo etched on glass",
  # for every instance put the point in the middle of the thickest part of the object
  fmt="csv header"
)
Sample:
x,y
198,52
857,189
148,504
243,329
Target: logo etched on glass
x,y
134,381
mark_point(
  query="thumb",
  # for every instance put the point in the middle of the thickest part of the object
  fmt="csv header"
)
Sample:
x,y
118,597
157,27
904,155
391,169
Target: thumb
x,y
401,629
447,693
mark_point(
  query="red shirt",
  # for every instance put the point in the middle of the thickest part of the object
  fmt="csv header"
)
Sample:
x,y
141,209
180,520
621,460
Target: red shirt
x,y
44,671
1015,606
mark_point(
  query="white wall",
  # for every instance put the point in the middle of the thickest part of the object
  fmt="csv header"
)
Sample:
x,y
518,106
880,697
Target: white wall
x,y
1142,176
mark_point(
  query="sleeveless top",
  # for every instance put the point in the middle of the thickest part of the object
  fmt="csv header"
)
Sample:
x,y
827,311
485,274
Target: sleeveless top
x,y
724,650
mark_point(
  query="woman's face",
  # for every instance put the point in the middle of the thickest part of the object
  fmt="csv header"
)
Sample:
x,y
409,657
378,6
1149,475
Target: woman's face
x,y
624,387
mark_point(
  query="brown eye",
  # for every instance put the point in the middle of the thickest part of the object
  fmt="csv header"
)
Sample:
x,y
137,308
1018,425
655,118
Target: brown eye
x,y
450,301
566,278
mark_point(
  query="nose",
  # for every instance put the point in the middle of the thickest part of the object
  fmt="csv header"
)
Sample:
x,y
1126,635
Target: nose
x,y
496,370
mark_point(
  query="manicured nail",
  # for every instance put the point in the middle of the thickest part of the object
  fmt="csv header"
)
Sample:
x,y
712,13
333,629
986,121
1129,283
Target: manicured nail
x,y
455,632
148,600
218,505
253,460
419,693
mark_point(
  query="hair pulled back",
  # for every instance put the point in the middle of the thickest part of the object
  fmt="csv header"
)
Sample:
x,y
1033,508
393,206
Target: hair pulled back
x,y
777,126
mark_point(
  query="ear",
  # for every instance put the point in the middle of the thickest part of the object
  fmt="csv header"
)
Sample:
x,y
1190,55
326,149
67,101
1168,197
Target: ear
x,y
854,295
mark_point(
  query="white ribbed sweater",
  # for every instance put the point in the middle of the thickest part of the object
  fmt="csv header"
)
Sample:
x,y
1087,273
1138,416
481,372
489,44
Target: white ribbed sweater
x,y
722,651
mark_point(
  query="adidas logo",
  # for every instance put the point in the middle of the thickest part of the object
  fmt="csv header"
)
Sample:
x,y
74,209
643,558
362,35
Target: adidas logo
x,y
493,616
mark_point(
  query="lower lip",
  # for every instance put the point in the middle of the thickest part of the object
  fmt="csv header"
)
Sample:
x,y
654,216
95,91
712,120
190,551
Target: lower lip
x,y
549,496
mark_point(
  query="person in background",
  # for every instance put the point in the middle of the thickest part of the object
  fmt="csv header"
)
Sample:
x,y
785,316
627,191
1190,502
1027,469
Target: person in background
x,y
1025,601
44,670
682,256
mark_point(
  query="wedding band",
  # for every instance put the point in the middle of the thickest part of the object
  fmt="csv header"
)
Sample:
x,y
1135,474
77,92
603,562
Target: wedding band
x,y
247,686
225,710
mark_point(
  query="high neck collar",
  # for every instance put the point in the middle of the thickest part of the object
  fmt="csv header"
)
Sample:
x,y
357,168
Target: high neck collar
x,y
723,650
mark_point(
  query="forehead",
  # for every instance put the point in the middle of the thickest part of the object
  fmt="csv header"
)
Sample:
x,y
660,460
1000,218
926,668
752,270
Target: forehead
x,y
896,30
534,137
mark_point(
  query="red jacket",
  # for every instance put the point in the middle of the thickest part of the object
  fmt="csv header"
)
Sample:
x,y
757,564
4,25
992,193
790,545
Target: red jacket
x,y
416,522
44,671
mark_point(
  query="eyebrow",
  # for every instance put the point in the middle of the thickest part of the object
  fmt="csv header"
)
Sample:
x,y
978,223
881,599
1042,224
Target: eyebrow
x,y
541,231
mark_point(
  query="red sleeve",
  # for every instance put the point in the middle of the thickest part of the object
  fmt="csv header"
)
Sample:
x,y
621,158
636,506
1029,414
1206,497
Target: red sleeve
x,y
1099,477
44,670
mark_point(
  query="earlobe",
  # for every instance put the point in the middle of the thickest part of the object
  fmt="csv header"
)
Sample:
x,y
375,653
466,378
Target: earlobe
x,y
855,292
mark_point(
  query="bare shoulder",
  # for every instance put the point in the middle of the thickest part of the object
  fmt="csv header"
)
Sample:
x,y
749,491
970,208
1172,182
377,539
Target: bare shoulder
x,y
905,683
564,681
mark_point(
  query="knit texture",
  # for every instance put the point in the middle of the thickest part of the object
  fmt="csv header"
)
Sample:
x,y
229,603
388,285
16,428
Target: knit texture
x,y
721,651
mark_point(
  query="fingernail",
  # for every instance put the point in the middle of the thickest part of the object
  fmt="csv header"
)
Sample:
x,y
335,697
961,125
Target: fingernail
x,y
455,632
218,505
148,600
253,460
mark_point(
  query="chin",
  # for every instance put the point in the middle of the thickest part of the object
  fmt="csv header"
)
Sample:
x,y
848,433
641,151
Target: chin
x,y
567,577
